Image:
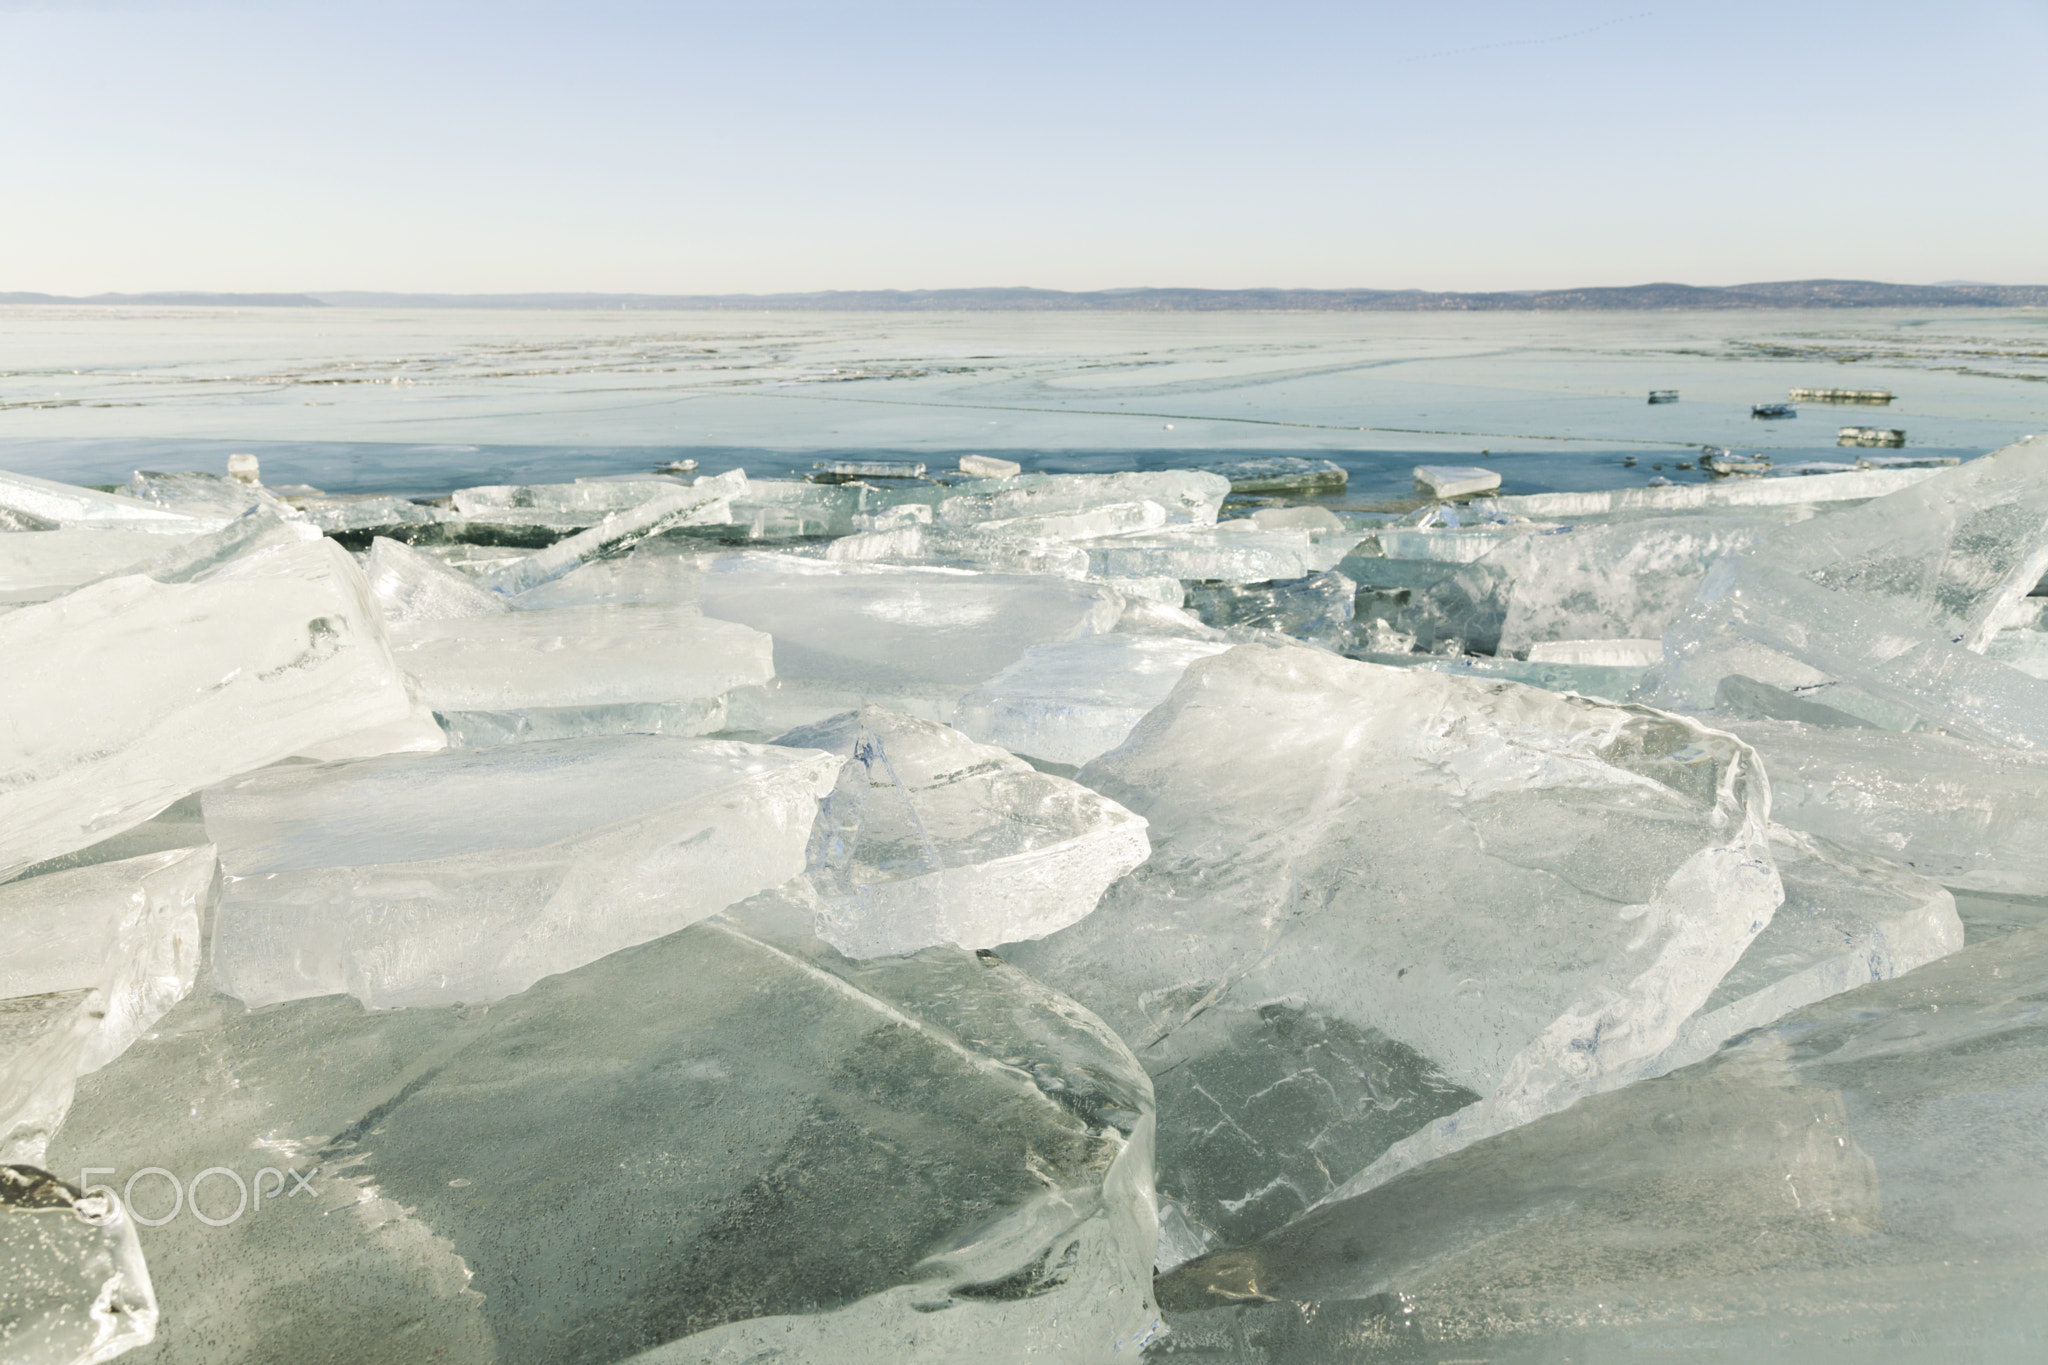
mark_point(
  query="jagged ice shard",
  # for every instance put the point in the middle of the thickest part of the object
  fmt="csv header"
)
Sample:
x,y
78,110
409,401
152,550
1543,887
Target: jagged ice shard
x,y
1523,895
929,838
73,1286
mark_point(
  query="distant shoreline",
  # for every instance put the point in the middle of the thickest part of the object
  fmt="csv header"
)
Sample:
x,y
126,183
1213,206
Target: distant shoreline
x,y
1801,294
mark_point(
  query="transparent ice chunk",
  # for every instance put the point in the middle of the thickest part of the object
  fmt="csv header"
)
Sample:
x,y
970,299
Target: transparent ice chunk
x,y
1867,1170
45,564
1529,893
1953,555
470,874
930,838
578,656
1298,475
108,948
73,1285
1848,920
1318,608
410,586
123,696
1853,653
1809,490
708,500
1962,814
610,495
1454,481
1185,496
914,637
727,1143
65,506
1072,701
1237,551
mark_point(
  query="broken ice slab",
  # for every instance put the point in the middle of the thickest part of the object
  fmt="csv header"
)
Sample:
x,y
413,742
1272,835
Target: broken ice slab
x,y
609,495
1592,872
1297,519
1297,475
1954,555
2026,650
1625,581
731,1140
1187,496
578,656
789,508
989,467
123,696
1848,920
1817,489
1317,608
106,949
1110,519
44,564
1072,701
1962,814
333,514
1867,1170
66,506
1588,680
1454,480
913,637
410,586
654,572
707,500
470,874
482,729
194,494
1870,436
1852,652
1238,551
1598,653
833,470
73,1285
930,838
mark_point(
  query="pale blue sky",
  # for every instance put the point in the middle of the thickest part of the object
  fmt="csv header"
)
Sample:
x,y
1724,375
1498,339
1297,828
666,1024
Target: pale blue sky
x,y
797,144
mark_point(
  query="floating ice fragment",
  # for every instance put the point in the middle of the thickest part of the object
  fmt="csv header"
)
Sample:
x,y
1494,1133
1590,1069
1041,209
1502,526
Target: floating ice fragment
x,y
1454,480
989,467
1294,474
930,838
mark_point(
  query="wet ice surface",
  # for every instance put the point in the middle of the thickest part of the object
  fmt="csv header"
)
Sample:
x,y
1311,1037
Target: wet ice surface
x,y
705,914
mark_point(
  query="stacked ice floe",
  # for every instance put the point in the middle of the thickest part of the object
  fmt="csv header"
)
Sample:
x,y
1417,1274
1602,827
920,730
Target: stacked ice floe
x,y
890,917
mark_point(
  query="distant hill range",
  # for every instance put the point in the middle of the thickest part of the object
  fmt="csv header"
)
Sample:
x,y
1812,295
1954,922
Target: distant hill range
x,y
1638,297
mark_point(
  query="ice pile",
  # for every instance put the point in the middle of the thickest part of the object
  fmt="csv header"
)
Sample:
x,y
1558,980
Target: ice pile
x,y
889,916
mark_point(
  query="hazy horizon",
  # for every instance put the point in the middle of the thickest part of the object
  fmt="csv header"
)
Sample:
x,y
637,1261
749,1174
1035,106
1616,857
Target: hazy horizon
x,y
797,146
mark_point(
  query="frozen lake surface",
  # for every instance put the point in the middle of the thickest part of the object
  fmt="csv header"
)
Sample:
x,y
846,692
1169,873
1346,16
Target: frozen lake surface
x,y
421,401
